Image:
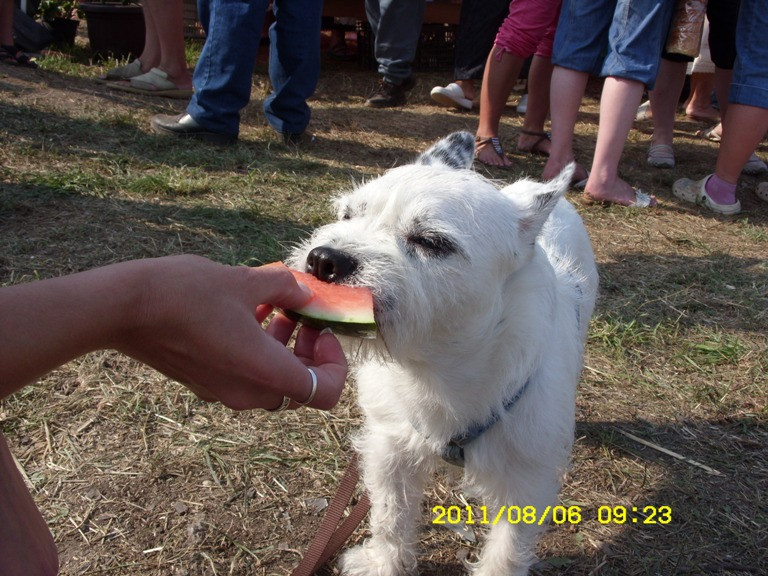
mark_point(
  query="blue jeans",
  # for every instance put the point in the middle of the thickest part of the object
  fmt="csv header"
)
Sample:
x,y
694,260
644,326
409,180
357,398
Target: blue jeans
x,y
750,73
396,26
621,38
222,77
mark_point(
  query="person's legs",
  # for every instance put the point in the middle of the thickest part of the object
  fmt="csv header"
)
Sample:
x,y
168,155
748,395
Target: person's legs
x,y
746,122
698,106
619,101
578,49
664,98
6,22
479,21
222,77
164,41
294,64
636,39
567,90
539,79
151,54
529,28
173,59
396,26
741,135
501,71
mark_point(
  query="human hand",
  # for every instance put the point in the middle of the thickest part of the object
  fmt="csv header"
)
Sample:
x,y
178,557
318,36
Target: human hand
x,y
201,324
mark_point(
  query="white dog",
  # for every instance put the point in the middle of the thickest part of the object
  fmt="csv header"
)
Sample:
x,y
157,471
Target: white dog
x,y
482,301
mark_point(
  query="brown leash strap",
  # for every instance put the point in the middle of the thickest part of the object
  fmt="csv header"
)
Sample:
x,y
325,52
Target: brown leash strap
x,y
329,538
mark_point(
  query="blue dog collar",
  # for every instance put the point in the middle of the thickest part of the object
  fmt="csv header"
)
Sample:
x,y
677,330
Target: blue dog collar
x,y
453,453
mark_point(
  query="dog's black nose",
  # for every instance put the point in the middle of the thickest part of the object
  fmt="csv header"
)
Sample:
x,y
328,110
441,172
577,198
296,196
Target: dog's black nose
x,y
329,264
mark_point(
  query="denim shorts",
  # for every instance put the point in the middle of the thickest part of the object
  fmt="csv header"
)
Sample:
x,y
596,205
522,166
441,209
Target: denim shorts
x,y
622,38
750,73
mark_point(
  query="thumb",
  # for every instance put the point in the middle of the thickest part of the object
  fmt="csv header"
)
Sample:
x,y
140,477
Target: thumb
x,y
275,285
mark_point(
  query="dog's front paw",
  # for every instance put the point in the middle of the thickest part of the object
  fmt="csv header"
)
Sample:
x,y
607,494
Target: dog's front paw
x,y
377,559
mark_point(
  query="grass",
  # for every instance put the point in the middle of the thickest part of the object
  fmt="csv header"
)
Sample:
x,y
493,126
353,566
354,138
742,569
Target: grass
x,y
136,476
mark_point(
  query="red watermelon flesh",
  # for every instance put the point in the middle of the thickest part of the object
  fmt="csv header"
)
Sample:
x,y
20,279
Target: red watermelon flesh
x,y
345,309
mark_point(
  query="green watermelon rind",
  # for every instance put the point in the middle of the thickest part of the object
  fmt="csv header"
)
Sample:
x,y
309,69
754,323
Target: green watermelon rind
x,y
354,329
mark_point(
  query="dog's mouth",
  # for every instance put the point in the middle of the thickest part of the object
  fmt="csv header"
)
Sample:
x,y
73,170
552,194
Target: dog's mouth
x,y
340,267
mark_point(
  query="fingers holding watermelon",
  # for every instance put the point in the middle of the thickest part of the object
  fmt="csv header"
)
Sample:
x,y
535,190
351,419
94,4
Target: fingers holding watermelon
x,y
322,352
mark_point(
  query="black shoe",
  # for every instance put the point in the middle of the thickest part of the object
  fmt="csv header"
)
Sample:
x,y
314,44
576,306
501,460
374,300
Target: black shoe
x,y
389,95
292,138
184,126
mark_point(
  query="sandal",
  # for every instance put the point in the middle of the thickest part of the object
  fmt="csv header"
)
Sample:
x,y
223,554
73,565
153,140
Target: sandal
x,y
10,55
535,149
495,143
661,156
710,133
124,72
153,83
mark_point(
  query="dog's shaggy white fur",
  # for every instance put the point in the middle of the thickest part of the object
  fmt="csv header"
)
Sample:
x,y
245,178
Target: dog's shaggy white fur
x,y
478,292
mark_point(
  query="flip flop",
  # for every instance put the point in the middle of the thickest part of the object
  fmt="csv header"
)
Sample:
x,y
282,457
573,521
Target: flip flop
x,y
534,149
153,83
709,134
125,72
642,200
695,192
643,111
661,156
495,143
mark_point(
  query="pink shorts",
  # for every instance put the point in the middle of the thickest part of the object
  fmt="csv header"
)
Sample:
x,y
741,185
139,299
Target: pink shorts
x,y
529,28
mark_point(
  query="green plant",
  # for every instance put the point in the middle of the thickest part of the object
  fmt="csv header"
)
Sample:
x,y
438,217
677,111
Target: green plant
x,y
51,9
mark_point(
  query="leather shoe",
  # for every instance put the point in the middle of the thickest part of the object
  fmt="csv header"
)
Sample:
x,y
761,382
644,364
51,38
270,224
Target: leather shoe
x,y
184,126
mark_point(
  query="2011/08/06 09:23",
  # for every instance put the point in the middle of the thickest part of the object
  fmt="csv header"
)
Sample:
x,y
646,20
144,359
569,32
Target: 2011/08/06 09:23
x,y
647,515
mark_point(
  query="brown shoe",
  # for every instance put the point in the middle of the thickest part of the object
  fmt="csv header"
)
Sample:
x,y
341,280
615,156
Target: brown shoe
x,y
389,95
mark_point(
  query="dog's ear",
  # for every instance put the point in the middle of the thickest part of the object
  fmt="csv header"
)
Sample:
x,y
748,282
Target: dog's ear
x,y
535,201
457,150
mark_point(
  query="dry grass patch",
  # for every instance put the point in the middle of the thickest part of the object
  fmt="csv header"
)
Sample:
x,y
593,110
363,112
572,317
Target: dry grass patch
x,y
137,477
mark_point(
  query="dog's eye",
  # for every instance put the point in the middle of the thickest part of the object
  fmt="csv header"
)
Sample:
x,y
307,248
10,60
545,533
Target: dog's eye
x,y
348,212
431,243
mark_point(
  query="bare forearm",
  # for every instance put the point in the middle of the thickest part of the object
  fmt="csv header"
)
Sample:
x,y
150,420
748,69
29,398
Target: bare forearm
x,y
45,324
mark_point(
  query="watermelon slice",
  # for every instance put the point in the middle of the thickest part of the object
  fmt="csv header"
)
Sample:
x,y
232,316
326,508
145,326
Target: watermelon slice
x,y
344,309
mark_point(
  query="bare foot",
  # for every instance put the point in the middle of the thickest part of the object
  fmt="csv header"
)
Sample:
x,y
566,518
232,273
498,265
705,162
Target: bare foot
x,y
620,193
703,114
553,169
534,142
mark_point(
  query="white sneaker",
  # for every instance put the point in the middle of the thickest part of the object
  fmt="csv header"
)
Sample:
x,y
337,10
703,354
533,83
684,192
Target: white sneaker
x,y
522,105
451,95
